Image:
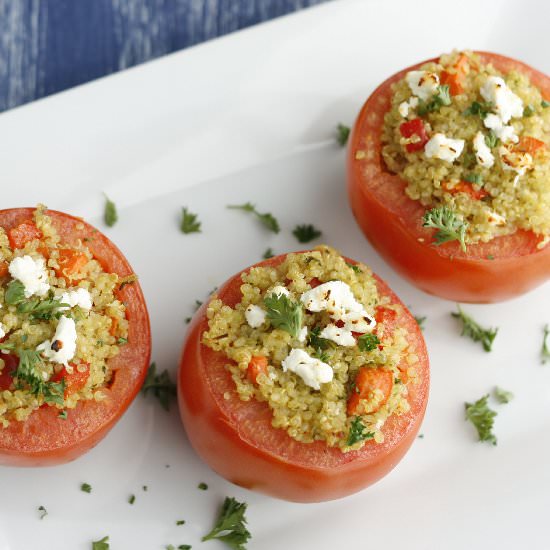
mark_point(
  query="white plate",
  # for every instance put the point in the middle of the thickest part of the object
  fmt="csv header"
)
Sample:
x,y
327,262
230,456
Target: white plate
x,y
250,118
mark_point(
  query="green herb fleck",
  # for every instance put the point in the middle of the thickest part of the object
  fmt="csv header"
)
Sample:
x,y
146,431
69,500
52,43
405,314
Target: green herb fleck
x,y
545,104
122,341
42,512
189,222
86,488
358,432
267,219
475,178
368,342
482,417
160,385
474,331
481,109
41,309
503,396
491,139
15,293
268,254
145,488
449,226
180,522
230,526
62,415
110,215
184,547
420,436
306,233
202,486
318,343
440,98
7,346
342,134
355,267
131,499
420,321
528,111
490,257
283,313
102,544
545,349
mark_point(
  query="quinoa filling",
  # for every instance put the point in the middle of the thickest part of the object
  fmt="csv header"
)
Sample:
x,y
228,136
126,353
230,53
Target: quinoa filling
x,y
473,140
60,321
314,339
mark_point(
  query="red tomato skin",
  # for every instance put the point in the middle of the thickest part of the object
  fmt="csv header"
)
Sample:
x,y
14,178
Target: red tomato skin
x,y
46,440
220,429
393,223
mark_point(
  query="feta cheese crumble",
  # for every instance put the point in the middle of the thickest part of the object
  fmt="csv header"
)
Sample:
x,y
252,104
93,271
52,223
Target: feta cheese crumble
x,y
341,336
405,107
303,335
63,346
32,273
501,131
76,297
483,153
422,84
518,161
444,148
255,316
279,291
2,331
507,103
311,370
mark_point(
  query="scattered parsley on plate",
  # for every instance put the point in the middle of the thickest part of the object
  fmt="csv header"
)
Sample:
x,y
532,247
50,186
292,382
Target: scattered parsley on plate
x,y
342,134
267,219
268,254
86,488
545,349
420,321
42,511
131,499
189,222
306,233
230,526
503,396
102,544
202,486
160,385
474,331
482,417
110,214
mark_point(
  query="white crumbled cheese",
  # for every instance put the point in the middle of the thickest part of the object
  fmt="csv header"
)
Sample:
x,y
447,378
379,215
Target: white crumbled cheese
x,y
518,161
405,107
507,103
303,335
444,148
341,336
76,297
501,131
311,370
32,273
495,219
255,316
279,291
2,331
337,298
422,84
63,346
483,152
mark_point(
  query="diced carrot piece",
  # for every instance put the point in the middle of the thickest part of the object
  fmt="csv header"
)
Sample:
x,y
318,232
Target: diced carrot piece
x,y
455,78
114,326
70,262
465,187
75,380
258,365
4,269
363,399
528,144
22,234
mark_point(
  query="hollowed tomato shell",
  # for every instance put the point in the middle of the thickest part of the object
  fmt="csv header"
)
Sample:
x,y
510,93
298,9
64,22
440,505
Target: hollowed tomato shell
x,y
44,439
503,268
236,438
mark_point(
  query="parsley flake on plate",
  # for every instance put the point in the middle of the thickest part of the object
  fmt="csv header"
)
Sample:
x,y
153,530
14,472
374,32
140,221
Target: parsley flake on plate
x,y
267,219
283,313
230,526
86,488
102,544
110,214
306,233
482,417
545,349
160,385
202,486
131,499
420,321
358,432
503,396
449,226
342,134
42,511
189,222
268,254
474,331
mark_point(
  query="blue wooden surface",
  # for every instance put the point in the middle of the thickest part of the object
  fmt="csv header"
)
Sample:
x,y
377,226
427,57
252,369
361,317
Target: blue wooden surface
x,y
49,45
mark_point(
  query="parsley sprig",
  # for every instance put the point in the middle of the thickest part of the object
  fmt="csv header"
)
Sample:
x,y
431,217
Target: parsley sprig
x,y
449,226
110,214
37,308
474,331
160,385
440,98
267,219
503,396
358,432
545,349
189,222
102,544
284,314
482,417
230,527
368,342
342,134
306,233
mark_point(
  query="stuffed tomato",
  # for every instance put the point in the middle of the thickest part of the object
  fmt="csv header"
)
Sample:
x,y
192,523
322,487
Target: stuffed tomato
x,y
449,175
305,378
75,338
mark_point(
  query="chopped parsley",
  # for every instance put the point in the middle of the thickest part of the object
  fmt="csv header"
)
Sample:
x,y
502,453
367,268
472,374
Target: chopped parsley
x,y
268,254
110,215
368,342
491,139
545,349
503,396
342,134
267,219
358,432
86,488
180,547
528,111
42,309
283,313
440,98
481,109
128,280
420,436
306,233
355,268
474,178
189,222
420,321
161,386
15,293
42,511
320,344
180,522
131,499
482,417
145,488
545,104
474,331
490,257
202,486
230,526
449,226
122,341
102,544
62,415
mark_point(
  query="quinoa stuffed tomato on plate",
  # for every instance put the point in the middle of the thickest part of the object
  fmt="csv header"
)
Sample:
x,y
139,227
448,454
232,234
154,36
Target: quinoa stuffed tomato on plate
x,y
449,175
75,337
304,377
